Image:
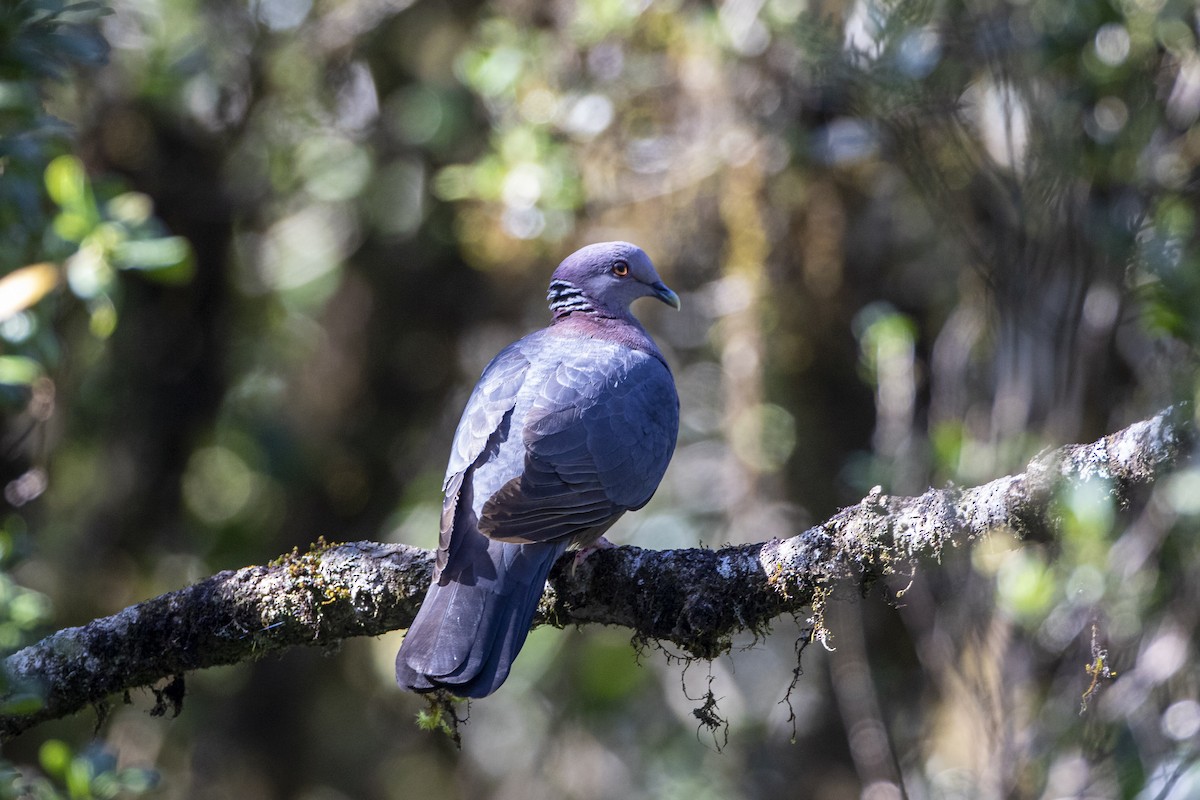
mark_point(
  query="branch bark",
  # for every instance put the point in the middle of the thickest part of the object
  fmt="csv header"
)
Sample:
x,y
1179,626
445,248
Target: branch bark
x,y
695,598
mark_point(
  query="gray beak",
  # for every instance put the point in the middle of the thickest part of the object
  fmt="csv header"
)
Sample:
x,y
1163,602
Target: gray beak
x,y
666,295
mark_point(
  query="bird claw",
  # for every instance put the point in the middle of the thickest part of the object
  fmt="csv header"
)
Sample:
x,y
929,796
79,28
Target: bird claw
x,y
582,553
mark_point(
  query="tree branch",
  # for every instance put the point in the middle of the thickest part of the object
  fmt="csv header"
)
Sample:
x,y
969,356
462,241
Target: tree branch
x,y
697,599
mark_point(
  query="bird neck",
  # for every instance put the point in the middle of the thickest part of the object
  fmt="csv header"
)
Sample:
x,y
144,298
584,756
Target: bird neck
x,y
626,331
565,299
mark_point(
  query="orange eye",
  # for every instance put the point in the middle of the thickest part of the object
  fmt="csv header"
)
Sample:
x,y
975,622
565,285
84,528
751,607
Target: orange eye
x,y
620,269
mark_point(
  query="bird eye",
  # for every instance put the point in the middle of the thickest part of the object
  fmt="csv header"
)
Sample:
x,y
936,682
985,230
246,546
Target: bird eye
x,y
621,269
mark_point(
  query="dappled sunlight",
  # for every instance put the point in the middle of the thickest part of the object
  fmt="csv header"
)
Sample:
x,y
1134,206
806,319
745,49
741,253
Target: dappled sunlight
x,y
254,255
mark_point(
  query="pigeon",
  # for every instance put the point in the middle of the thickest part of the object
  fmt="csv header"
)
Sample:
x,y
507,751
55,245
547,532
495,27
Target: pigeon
x,y
567,429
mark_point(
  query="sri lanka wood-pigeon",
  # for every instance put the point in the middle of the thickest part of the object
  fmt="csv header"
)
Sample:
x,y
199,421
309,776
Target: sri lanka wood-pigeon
x,y
567,429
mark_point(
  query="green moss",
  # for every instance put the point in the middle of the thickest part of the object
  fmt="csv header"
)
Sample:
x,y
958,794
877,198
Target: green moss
x,y
442,715
304,570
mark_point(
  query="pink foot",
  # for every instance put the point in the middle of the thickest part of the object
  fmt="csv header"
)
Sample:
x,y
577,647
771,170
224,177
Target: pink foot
x,y
582,553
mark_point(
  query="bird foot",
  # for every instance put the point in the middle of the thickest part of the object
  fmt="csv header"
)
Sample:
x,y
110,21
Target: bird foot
x,y
582,553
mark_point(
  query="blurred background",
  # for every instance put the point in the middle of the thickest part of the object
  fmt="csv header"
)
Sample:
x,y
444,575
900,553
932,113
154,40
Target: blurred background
x,y
256,253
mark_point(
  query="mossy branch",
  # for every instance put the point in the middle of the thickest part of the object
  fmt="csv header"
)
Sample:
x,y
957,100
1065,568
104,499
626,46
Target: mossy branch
x,y
697,599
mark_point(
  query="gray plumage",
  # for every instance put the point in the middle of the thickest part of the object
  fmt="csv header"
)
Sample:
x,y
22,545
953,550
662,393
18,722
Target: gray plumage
x,y
567,429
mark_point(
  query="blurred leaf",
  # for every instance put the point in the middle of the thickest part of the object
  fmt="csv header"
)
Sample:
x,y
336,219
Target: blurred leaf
x,y
79,778
1087,515
493,72
21,703
947,439
66,181
55,757
19,370
167,259
28,609
24,287
103,319
67,185
131,208
88,273
1025,585
884,334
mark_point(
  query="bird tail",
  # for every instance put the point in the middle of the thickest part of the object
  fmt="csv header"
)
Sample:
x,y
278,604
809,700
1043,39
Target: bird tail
x,y
473,623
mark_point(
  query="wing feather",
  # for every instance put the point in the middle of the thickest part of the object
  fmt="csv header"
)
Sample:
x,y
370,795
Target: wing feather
x,y
597,436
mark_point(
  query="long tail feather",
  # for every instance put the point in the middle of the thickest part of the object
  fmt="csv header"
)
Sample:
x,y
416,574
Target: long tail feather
x,y
472,624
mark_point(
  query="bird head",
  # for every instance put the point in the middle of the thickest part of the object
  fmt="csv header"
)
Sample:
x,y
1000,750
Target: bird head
x,y
604,279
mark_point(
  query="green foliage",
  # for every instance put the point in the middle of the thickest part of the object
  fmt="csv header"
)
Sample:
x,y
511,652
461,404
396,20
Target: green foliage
x,y
847,201
19,370
49,210
54,232
90,775
119,233
885,338
22,610
40,41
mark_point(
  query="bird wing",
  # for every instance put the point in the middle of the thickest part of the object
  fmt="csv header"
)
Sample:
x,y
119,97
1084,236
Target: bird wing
x,y
598,435
491,401
483,427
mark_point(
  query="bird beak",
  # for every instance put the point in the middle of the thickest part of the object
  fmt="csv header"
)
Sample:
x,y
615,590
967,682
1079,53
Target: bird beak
x,y
666,295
